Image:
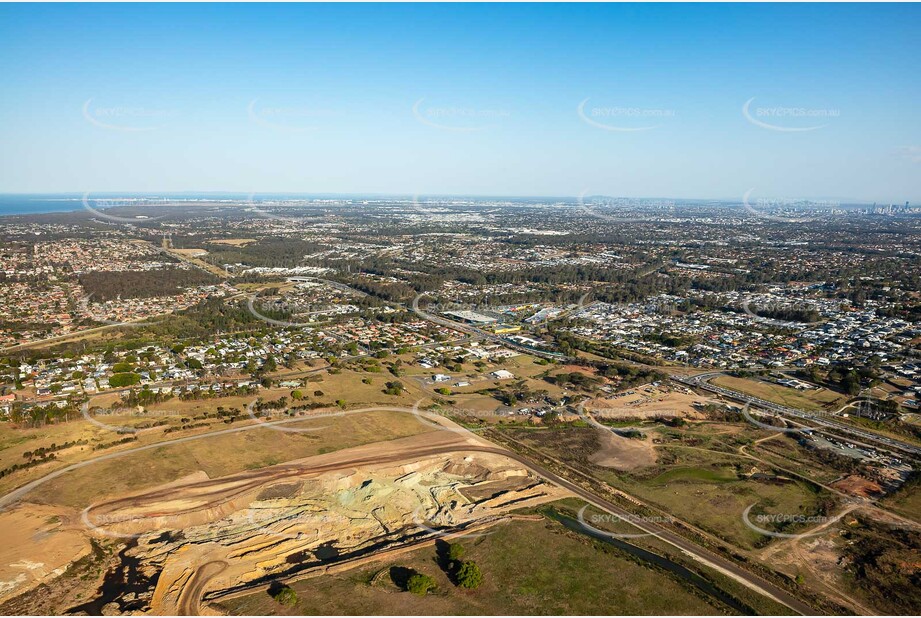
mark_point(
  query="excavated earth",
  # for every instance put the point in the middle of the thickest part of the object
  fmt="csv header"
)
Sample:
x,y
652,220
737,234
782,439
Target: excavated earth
x,y
204,538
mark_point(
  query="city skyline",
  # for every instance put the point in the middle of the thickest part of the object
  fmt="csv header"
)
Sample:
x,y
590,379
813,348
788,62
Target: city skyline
x,y
450,309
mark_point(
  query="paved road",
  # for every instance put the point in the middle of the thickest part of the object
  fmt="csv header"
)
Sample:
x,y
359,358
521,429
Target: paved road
x,y
687,547
703,381
704,556
74,335
18,493
476,332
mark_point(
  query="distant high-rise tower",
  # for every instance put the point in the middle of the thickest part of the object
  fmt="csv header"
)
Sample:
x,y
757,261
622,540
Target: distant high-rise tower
x,y
167,241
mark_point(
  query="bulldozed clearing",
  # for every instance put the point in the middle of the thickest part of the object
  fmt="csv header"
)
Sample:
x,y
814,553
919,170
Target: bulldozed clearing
x,y
199,537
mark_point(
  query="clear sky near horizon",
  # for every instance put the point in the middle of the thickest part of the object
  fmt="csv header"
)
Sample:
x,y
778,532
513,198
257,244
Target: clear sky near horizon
x,y
546,99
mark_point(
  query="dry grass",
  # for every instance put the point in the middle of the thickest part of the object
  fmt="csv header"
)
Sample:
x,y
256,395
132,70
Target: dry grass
x,y
233,242
221,455
815,399
529,567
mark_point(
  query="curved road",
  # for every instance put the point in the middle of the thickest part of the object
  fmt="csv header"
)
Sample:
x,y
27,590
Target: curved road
x,y
194,590
476,332
704,556
702,381
18,493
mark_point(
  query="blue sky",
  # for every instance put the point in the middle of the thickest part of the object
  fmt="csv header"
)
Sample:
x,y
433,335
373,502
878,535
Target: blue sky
x,y
464,99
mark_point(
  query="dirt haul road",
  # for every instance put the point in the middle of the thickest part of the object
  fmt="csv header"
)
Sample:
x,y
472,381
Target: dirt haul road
x,y
153,509
476,444
213,492
190,600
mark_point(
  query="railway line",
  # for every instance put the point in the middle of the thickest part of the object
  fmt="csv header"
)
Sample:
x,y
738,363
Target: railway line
x,y
702,381
474,444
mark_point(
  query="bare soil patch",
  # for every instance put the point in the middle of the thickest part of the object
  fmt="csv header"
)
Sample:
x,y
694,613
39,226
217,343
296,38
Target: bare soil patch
x,y
622,453
646,402
859,486
39,543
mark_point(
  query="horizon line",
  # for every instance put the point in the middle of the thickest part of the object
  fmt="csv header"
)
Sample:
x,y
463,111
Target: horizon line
x,y
740,198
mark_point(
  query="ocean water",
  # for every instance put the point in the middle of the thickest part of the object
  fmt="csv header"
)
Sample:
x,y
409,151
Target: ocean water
x,y
38,203
33,204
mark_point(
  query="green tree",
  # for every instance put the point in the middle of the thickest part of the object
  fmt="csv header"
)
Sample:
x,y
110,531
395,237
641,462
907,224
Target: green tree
x,y
469,575
420,584
124,379
393,388
286,596
455,552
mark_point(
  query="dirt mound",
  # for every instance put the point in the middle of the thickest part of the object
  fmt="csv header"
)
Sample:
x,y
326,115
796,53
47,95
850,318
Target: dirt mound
x,y
281,490
467,468
622,453
859,486
645,403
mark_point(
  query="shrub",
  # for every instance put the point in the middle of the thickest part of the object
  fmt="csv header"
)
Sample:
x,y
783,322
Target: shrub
x,y
469,575
455,552
420,584
393,388
285,595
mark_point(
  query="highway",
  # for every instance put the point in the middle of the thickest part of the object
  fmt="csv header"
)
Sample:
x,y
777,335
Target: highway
x,y
702,381
476,332
698,553
699,381
685,546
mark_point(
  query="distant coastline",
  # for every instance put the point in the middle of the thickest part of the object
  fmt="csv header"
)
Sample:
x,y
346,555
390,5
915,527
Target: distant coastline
x,y
25,204
12,205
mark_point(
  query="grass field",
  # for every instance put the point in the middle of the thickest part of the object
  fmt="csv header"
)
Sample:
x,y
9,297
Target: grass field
x,y
907,500
529,567
785,452
707,490
14,442
525,368
220,455
815,399
705,475
346,386
703,487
